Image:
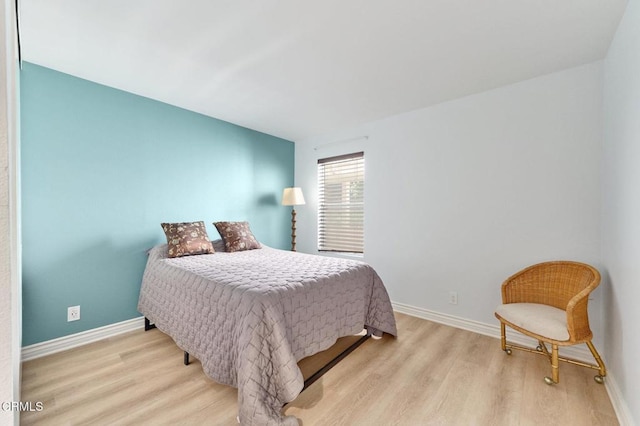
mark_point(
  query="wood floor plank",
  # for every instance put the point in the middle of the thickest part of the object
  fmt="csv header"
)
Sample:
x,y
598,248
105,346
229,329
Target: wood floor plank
x,y
431,375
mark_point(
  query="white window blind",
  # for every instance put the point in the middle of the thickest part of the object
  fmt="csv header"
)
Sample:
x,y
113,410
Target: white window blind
x,y
341,203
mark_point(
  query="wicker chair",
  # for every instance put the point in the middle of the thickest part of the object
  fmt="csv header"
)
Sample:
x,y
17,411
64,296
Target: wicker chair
x,y
548,302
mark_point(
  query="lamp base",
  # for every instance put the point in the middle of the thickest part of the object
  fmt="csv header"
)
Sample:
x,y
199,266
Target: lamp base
x,y
293,229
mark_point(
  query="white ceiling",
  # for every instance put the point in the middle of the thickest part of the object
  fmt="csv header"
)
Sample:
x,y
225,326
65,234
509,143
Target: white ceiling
x,y
296,68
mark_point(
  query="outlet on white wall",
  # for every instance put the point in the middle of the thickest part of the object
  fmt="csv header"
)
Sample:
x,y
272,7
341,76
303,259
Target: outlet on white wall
x,y
453,298
73,313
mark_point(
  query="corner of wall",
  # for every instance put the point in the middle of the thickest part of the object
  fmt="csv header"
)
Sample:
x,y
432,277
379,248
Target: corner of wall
x,y
10,289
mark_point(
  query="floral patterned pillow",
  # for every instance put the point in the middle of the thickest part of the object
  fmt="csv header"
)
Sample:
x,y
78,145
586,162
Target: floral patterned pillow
x,y
237,236
187,238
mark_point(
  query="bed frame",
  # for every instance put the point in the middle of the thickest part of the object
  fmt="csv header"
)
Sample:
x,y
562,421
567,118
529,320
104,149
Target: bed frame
x,y
315,376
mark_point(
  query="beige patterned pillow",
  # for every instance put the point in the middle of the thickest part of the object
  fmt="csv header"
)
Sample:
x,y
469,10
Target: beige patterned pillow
x,y
237,236
187,238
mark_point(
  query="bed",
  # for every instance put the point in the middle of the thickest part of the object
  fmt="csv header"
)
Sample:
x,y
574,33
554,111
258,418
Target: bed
x,y
250,316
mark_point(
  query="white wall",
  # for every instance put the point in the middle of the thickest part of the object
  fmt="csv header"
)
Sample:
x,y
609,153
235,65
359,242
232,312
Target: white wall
x,y
9,280
461,195
621,207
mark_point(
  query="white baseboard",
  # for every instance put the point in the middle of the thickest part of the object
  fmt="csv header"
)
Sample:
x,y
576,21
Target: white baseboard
x,y
493,330
74,340
617,400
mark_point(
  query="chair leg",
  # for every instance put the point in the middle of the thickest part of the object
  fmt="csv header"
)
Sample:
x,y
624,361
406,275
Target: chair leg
x,y
555,375
603,371
503,339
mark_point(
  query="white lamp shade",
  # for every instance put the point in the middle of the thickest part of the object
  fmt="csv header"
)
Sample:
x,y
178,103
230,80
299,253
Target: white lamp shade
x,y
292,197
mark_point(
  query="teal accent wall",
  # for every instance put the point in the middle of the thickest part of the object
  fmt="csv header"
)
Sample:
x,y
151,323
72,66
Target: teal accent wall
x,y
102,168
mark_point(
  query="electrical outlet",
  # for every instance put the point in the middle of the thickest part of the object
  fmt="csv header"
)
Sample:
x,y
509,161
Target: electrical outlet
x,y
453,298
73,313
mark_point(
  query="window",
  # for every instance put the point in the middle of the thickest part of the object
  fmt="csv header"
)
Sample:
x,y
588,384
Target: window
x,y
341,203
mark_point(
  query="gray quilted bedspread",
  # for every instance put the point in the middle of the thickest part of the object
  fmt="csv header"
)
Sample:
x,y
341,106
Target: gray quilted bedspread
x,y
250,316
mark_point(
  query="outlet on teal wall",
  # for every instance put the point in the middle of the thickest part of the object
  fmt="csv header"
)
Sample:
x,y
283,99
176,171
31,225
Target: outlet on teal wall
x,y
102,168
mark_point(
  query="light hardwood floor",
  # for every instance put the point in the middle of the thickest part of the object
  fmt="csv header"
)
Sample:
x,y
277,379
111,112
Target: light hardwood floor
x,y
431,375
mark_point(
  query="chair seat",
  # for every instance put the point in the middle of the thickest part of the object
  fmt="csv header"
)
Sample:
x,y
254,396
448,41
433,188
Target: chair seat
x,y
542,320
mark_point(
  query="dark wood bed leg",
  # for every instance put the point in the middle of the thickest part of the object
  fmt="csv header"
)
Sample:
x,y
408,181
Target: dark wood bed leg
x,y
147,324
186,358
